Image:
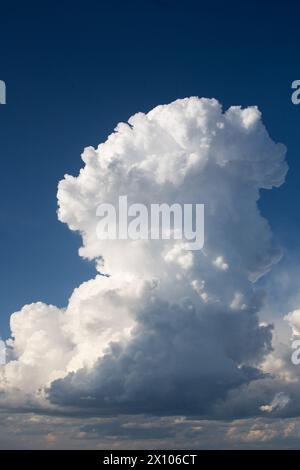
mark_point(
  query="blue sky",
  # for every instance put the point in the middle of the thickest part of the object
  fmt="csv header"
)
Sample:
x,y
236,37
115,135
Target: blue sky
x,y
73,70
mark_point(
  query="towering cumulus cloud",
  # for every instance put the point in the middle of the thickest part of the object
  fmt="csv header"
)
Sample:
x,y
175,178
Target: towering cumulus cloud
x,y
165,330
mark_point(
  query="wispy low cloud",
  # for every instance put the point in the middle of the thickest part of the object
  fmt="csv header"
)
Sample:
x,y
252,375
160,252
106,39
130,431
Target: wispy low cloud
x,y
279,402
31,431
165,331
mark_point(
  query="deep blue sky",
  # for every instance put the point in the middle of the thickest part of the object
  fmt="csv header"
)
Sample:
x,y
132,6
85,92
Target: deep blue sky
x,y
74,69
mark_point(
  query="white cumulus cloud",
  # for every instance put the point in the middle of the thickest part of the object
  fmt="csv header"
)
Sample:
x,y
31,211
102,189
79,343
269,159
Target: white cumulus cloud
x,y
164,330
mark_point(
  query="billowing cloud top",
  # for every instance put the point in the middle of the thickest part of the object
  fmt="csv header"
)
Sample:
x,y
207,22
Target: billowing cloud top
x,y
167,330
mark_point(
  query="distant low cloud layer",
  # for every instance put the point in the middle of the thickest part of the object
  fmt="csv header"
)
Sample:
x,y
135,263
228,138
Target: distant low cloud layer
x,y
165,331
